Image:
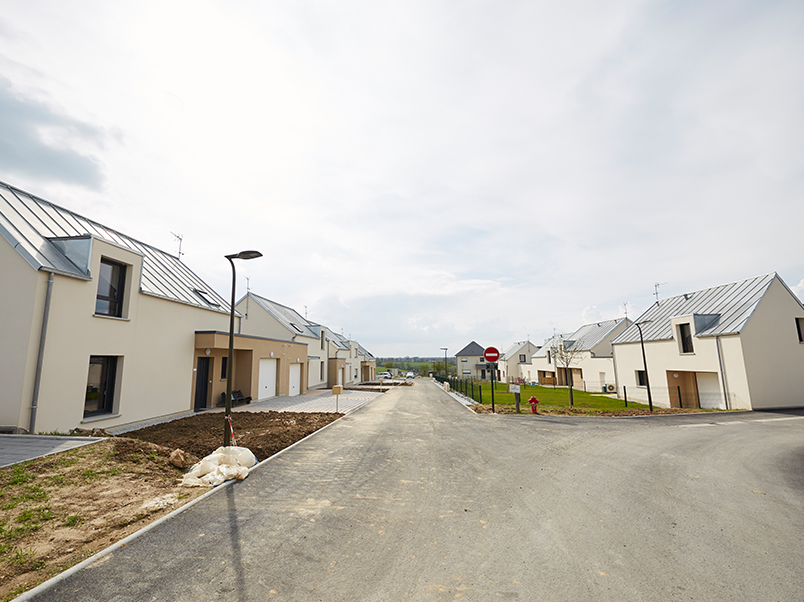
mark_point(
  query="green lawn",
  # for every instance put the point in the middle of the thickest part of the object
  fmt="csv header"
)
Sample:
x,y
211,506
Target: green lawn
x,y
548,396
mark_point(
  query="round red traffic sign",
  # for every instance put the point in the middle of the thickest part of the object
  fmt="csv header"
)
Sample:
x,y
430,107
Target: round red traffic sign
x,y
491,354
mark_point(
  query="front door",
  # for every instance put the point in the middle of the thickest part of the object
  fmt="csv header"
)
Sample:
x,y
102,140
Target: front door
x,y
201,384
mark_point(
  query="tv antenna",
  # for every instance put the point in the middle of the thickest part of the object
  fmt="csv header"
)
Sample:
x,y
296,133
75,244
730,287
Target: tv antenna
x,y
625,308
180,238
656,286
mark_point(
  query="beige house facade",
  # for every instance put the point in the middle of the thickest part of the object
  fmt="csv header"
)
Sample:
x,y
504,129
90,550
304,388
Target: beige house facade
x,y
470,363
102,330
734,346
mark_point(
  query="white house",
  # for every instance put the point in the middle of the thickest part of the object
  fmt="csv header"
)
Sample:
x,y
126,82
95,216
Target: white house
x,y
515,364
543,363
592,355
738,345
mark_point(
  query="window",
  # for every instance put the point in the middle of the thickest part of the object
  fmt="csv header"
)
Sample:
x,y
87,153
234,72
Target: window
x,y
207,297
224,366
100,385
548,357
686,338
521,358
800,328
111,284
322,338
467,371
641,379
322,370
463,359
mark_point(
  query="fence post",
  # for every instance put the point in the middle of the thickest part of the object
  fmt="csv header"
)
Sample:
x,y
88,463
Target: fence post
x,y
625,395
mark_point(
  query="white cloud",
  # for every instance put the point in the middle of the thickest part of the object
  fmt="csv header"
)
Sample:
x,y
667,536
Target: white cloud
x,y
420,175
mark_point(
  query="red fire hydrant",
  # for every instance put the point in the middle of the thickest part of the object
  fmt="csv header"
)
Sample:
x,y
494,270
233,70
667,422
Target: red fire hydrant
x,y
534,405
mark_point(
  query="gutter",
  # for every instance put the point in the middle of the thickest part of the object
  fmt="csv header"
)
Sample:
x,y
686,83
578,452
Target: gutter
x,y
41,355
722,373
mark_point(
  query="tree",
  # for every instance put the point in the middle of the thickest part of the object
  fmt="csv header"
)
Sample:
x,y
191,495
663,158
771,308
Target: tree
x,y
565,355
389,365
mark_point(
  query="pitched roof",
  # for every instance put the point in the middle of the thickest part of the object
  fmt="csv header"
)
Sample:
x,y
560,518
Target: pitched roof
x,y
471,349
53,239
514,350
719,310
287,316
550,343
590,335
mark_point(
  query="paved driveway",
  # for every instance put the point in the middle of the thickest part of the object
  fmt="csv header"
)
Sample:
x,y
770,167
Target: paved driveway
x,y
413,497
19,448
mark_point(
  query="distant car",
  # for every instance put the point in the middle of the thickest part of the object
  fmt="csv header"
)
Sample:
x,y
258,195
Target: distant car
x,y
410,375
384,375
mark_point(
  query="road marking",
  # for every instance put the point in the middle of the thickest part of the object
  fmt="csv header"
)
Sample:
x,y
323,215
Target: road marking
x,y
730,422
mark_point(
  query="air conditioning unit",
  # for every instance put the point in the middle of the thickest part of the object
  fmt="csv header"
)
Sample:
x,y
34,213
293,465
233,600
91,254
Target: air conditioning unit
x,y
611,388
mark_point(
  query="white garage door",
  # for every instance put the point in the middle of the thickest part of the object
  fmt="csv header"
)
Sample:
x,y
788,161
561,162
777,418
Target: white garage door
x,y
267,378
295,379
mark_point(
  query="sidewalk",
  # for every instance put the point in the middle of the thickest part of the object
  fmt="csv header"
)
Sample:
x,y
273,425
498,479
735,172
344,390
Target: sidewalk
x,y
319,400
20,448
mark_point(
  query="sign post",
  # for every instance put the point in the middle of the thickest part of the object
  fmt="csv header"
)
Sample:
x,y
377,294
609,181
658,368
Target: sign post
x,y
491,355
516,391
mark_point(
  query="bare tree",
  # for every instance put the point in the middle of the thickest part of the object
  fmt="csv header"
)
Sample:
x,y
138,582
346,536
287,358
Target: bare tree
x,y
565,356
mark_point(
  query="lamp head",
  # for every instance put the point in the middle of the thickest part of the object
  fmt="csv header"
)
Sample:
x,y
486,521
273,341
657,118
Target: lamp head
x,y
245,255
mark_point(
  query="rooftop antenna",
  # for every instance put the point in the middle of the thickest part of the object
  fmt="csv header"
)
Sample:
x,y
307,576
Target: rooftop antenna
x,y
305,312
656,286
248,290
180,238
625,309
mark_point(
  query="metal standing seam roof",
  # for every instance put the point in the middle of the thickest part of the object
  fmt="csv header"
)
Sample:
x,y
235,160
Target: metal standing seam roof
x,y
287,316
590,335
32,226
550,343
719,310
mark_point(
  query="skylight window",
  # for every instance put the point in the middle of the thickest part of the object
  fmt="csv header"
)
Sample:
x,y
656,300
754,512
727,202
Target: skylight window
x,y
206,297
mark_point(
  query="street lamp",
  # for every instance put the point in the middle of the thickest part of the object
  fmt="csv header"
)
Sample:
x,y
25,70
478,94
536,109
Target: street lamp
x,y
446,373
227,432
645,361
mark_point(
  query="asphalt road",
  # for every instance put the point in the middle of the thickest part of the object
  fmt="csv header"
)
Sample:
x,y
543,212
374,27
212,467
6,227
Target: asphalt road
x,y
413,497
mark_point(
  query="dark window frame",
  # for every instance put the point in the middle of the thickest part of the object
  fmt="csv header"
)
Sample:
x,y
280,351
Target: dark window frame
x,y
114,300
641,378
106,388
224,366
685,336
800,328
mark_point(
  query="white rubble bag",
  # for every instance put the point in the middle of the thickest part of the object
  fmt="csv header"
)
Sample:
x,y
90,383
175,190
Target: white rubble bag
x,y
221,465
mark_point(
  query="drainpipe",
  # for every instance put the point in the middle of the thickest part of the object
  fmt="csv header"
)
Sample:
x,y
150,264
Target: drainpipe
x,y
41,355
722,373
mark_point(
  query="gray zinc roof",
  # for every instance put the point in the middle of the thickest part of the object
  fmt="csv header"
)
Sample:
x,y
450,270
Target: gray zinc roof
x,y
719,310
590,335
471,349
53,239
553,341
287,316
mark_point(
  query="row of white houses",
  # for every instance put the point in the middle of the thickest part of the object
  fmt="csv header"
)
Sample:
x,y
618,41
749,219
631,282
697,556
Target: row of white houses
x,y
734,346
101,330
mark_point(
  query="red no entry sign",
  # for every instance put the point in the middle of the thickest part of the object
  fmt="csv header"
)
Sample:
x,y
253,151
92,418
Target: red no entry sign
x,y
491,354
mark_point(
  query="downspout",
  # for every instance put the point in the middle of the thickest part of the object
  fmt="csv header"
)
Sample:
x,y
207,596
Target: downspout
x,y
41,355
722,374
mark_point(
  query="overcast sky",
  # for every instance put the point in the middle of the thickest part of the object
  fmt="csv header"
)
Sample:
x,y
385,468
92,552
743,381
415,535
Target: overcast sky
x,y
422,174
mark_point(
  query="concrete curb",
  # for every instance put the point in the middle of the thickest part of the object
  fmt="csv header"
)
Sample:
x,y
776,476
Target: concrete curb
x,y
123,542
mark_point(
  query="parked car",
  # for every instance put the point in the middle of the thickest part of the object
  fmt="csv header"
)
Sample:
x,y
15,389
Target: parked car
x,y
410,375
384,375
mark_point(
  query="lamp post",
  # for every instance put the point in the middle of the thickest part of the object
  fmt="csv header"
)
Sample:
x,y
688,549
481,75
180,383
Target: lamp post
x,y
446,372
645,361
227,432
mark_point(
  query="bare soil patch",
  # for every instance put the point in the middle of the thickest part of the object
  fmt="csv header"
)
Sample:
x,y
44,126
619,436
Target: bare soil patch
x,y
58,510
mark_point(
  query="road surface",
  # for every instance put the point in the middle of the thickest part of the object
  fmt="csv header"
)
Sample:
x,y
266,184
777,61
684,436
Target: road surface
x,y
414,497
